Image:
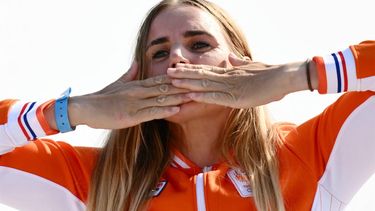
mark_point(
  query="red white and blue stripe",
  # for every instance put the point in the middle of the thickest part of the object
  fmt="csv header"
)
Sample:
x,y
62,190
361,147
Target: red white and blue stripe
x,y
23,124
341,72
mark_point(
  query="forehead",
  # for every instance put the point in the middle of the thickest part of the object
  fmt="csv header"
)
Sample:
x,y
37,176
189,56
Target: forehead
x,y
175,20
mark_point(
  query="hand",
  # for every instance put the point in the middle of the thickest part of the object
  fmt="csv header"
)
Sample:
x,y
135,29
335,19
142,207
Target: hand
x,y
242,84
128,102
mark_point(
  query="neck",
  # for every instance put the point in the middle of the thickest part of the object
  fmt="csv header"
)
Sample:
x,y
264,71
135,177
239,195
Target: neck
x,y
199,139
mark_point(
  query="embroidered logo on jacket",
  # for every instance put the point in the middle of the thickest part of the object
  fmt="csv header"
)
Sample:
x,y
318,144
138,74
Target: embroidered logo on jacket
x,y
240,182
159,188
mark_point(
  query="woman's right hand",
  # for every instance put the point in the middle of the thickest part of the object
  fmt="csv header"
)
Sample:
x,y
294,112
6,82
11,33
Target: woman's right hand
x,y
127,102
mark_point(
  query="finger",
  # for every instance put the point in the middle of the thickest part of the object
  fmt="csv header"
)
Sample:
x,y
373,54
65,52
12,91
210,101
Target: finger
x,y
236,61
193,73
199,85
163,89
166,100
218,98
156,112
131,73
160,79
209,68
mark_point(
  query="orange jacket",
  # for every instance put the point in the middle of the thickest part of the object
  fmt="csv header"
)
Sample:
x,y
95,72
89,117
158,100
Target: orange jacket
x,y
322,163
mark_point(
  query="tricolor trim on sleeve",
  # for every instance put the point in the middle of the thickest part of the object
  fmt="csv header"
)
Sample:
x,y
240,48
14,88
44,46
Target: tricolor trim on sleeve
x,y
26,122
337,72
23,123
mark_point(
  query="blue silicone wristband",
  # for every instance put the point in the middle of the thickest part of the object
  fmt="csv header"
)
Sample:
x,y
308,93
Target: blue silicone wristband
x,y
61,113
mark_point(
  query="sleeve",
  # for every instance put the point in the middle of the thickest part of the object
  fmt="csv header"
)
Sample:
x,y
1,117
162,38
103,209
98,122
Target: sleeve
x,y
352,69
338,146
21,122
40,174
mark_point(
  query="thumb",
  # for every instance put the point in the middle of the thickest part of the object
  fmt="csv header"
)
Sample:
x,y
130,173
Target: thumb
x,y
236,61
131,73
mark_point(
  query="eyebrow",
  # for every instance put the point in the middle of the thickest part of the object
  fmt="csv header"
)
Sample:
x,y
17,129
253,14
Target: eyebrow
x,y
158,41
196,33
193,33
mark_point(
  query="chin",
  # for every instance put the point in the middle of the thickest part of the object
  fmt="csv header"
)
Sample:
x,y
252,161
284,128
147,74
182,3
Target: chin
x,y
194,111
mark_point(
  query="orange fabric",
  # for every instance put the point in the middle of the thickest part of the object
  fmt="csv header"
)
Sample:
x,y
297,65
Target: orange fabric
x,y
47,129
306,150
4,107
322,78
364,55
180,193
58,162
304,140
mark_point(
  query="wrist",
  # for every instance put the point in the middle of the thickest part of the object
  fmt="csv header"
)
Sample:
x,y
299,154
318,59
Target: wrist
x,y
295,76
314,75
76,110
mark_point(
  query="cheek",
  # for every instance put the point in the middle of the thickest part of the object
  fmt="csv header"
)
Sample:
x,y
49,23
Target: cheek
x,y
155,69
217,57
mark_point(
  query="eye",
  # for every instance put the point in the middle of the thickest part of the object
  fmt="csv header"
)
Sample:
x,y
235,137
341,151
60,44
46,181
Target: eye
x,y
200,45
160,54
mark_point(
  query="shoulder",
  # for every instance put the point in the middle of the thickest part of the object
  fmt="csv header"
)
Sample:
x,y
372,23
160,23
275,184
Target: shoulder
x,y
58,162
47,150
54,171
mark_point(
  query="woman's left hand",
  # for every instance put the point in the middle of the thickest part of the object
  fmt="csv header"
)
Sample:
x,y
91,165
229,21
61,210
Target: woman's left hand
x,y
243,84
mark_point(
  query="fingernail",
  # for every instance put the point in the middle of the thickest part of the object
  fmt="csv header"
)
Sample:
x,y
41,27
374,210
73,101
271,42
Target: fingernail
x,y
231,54
171,70
175,109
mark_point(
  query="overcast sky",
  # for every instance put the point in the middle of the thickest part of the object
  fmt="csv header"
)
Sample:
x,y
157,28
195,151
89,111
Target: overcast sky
x,y
49,45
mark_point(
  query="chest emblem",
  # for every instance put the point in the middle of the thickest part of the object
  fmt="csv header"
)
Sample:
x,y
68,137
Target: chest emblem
x,y
240,181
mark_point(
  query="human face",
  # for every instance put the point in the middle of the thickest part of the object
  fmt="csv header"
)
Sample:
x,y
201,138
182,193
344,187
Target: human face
x,y
186,34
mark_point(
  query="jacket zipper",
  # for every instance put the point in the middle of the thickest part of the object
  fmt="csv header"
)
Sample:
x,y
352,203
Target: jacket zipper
x,y
199,189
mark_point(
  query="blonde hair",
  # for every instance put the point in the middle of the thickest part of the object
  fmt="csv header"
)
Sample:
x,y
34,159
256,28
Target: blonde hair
x,y
133,159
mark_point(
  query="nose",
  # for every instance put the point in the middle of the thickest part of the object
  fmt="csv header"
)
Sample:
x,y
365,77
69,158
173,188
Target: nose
x,y
178,55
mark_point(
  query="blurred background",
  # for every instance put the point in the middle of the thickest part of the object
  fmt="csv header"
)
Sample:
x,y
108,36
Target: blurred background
x,y
49,45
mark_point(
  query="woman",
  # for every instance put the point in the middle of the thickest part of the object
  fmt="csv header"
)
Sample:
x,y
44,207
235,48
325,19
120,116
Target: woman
x,y
189,132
